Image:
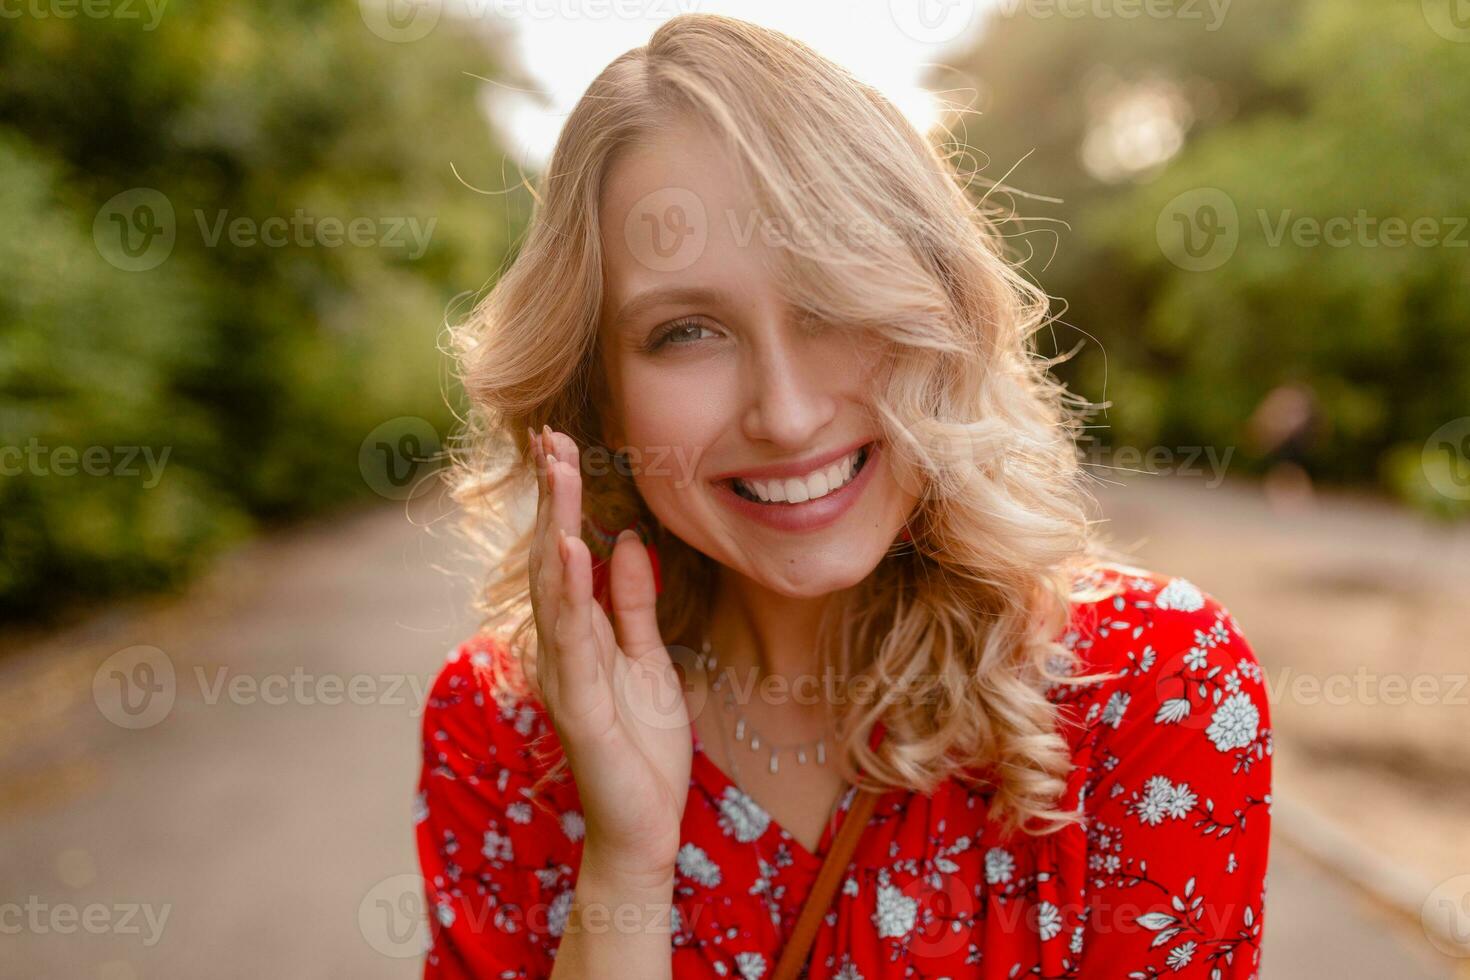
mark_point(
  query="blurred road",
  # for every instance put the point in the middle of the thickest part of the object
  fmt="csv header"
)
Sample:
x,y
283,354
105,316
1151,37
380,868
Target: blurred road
x,y
268,834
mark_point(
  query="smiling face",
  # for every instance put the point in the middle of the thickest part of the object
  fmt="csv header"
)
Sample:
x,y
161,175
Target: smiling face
x,y
750,429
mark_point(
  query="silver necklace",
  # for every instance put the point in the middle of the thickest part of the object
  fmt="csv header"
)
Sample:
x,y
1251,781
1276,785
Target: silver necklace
x,y
817,746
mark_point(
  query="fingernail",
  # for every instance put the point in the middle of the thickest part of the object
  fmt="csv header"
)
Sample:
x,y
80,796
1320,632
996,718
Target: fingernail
x,y
626,532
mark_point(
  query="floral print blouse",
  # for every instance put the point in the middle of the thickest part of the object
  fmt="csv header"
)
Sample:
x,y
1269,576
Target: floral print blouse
x,y
1165,878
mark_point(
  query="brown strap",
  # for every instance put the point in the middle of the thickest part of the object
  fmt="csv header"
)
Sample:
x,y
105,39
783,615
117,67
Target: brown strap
x,y
834,865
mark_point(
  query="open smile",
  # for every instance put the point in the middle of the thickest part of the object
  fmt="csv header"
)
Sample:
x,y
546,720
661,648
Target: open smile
x,y
800,489
801,501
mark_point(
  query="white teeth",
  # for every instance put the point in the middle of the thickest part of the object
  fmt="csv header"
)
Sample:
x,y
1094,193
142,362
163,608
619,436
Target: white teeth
x,y
798,490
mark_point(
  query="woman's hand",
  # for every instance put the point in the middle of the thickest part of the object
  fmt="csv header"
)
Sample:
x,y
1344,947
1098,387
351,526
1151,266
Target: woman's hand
x,y
609,688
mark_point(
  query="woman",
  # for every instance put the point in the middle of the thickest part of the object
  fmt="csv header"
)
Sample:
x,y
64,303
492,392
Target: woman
x,y
850,510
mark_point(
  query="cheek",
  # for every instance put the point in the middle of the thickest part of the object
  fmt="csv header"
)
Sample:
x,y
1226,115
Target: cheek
x,y
671,418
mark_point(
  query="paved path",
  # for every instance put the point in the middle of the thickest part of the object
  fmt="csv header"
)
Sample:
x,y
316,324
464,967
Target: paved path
x,y
251,839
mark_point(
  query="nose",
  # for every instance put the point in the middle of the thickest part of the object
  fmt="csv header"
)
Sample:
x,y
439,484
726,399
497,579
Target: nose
x,y
791,385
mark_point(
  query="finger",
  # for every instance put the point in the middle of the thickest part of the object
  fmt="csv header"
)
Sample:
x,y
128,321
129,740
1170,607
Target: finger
x,y
562,444
549,572
577,660
538,471
566,485
634,599
538,459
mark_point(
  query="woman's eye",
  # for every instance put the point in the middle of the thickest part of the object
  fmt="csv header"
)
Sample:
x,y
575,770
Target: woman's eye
x,y
681,332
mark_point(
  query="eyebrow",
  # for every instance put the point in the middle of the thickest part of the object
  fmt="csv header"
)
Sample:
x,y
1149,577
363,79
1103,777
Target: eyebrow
x,y
668,296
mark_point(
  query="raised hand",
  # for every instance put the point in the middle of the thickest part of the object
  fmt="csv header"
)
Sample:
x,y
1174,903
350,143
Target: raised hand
x,y
609,688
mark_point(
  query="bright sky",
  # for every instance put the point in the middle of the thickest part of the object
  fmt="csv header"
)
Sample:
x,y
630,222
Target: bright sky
x,y
563,44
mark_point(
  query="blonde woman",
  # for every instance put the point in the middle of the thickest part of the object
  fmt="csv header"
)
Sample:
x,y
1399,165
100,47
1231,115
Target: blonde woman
x,y
810,530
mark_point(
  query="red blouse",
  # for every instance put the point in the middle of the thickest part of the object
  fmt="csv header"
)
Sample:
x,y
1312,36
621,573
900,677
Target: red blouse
x,y
1172,767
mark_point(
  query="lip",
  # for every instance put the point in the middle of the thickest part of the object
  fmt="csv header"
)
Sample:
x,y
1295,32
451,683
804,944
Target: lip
x,y
810,515
801,467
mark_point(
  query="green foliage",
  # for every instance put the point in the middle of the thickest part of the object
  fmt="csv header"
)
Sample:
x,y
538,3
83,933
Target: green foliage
x,y
1301,112
257,366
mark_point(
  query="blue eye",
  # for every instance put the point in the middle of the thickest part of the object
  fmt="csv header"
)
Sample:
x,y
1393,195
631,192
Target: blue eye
x,y
674,331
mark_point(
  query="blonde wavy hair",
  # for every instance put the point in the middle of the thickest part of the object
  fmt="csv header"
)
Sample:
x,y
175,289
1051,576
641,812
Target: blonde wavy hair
x,y
955,631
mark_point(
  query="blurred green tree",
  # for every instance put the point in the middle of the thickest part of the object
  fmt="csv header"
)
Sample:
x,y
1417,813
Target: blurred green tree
x,y
1327,129
308,171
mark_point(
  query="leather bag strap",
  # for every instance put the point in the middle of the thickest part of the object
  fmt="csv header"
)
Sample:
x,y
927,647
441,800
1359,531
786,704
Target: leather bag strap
x,y
794,956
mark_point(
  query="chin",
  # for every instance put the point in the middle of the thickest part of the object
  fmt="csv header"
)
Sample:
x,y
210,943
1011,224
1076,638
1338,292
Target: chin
x,y
809,581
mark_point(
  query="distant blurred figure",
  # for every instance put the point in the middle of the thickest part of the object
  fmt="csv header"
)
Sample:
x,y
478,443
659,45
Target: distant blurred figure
x,y
1283,429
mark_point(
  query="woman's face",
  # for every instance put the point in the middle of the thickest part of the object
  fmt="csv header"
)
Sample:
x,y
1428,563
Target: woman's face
x,y
722,396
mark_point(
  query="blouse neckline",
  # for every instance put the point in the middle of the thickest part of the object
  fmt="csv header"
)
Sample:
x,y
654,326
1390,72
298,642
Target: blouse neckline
x,y
706,773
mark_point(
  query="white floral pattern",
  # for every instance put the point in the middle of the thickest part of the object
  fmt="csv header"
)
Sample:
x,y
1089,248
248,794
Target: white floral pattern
x,y
1235,723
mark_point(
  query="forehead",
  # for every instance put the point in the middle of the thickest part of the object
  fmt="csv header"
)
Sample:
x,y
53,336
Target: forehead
x,y
675,212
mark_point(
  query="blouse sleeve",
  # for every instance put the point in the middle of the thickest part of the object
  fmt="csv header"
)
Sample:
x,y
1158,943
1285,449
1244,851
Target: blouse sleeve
x,y
1179,802
492,888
